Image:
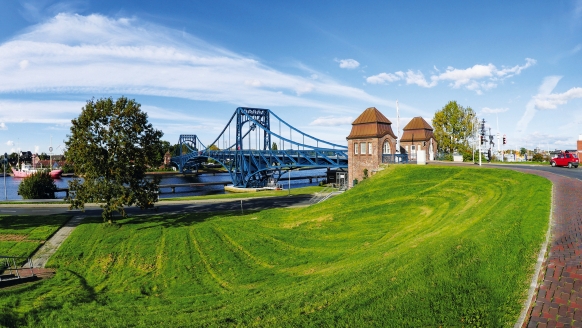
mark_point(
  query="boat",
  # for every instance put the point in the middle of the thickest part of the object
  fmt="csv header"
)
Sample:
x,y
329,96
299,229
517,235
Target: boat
x,y
27,170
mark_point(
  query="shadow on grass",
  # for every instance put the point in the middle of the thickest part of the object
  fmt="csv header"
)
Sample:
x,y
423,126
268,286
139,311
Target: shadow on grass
x,y
176,215
29,222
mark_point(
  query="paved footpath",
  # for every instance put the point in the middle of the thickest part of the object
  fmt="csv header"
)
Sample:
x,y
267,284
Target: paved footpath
x,y
557,301
41,256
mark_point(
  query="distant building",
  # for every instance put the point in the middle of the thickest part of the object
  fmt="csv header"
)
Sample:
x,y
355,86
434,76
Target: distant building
x,y
418,135
579,146
167,158
371,137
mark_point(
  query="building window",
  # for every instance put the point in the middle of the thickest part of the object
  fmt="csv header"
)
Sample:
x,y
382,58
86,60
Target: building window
x,y
356,148
386,147
363,148
370,148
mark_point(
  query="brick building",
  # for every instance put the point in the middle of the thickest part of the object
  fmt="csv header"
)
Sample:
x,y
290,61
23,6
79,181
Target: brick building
x,y
371,137
418,135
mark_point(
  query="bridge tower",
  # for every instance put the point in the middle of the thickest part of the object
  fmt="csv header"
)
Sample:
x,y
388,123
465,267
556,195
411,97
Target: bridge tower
x,y
370,139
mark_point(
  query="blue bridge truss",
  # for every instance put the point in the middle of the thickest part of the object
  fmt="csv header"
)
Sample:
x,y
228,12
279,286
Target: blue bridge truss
x,y
255,152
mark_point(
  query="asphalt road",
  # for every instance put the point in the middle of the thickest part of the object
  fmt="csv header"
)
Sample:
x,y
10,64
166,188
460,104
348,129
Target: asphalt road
x,y
564,171
214,205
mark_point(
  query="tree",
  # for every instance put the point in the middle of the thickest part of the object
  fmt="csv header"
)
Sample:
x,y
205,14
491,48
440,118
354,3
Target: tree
x,y
454,126
38,186
274,146
522,151
112,145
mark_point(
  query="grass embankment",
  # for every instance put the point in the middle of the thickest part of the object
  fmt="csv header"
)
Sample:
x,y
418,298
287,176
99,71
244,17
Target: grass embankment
x,y
22,235
412,246
265,193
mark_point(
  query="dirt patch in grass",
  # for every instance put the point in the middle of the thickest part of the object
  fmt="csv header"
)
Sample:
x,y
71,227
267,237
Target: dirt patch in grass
x,y
12,237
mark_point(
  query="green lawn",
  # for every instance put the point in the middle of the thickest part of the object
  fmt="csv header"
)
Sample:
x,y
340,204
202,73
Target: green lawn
x,y
412,246
22,235
265,193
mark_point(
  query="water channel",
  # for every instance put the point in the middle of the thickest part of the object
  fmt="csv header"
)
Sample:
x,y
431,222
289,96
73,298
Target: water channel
x,y
13,183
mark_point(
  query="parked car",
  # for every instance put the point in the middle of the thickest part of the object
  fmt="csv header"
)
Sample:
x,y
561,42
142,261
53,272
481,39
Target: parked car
x,y
565,159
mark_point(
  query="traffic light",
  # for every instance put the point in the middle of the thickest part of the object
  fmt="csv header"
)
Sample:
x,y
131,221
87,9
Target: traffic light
x,y
504,140
482,140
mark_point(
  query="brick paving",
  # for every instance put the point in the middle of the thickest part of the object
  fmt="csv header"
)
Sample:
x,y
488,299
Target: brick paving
x,y
557,301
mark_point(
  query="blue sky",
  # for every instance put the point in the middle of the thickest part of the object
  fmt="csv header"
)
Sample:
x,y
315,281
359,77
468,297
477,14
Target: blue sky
x,y
317,64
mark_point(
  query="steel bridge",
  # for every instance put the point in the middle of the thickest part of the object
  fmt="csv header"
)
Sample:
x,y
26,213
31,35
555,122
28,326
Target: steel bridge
x,y
255,152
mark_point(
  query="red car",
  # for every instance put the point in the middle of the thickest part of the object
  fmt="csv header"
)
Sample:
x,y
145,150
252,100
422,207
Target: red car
x,y
565,159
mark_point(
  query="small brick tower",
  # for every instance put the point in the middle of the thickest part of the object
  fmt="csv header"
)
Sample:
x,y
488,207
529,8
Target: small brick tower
x,y
417,135
371,136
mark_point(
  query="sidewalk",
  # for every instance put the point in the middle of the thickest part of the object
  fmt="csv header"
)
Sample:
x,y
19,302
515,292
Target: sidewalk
x,y
557,301
43,254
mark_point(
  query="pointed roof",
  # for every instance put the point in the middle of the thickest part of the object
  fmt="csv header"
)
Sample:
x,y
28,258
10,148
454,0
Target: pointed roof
x,y
371,124
371,115
417,130
417,123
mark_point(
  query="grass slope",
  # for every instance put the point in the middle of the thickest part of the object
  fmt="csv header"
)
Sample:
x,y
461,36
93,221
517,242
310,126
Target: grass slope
x,y
266,193
22,235
412,246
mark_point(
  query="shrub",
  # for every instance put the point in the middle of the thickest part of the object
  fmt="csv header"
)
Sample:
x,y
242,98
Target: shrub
x,y
537,157
38,186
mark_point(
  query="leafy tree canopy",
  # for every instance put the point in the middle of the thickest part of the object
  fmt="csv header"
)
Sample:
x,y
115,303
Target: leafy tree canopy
x,y
112,145
38,186
274,146
453,127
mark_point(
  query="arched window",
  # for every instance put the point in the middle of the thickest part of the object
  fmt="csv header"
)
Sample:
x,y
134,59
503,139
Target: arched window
x,y
386,148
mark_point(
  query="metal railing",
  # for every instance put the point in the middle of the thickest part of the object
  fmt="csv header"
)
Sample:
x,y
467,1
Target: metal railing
x,y
395,159
13,267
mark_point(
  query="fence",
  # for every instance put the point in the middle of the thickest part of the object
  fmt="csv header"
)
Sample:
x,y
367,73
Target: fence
x,y
395,159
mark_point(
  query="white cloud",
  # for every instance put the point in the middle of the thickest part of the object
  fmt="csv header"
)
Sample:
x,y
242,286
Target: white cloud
x,y
552,100
471,78
36,149
253,83
23,64
332,121
384,77
10,143
348,63
418,79
95,54
53,112
547,86
487,110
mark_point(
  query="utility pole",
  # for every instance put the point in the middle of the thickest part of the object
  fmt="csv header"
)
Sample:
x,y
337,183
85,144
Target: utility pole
x,y
482,139
397,128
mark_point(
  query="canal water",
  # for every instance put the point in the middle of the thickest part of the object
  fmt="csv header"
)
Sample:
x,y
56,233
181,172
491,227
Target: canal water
x,y
13,183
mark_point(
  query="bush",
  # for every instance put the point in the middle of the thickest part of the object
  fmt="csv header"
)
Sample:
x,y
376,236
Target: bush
x,y
38,186
537,157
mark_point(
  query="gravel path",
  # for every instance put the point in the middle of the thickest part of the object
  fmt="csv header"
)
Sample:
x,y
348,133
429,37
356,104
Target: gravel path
x,y
557,301
42,255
